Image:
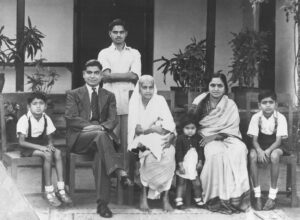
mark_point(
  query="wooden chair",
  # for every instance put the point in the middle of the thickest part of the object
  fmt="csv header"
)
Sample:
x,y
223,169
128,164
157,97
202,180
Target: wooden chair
x,y
77,160
10,152
285,107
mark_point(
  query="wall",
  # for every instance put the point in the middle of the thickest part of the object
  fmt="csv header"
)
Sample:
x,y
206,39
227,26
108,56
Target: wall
x,y
229,18
284,53
54,18
8,16
176,21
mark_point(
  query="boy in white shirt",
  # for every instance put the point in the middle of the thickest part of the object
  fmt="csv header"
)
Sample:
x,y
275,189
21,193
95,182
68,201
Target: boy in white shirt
x,y
267,128
34,131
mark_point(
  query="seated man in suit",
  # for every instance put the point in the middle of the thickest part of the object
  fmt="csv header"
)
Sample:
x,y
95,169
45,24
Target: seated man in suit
x,y
91,117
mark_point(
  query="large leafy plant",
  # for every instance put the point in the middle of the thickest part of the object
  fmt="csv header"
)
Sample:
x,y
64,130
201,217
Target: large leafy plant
x,y
7,48
250,51
30,45
187,67
32,41
43,78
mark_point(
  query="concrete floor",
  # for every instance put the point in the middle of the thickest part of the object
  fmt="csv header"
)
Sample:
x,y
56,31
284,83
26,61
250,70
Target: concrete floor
x,y
29,183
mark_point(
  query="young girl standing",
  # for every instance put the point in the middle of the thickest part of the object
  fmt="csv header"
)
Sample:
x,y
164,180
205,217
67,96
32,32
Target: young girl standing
x,y
189,160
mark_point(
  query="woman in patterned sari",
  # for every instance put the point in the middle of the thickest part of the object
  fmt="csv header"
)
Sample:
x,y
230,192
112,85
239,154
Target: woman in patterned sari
x,y
150,128
224,176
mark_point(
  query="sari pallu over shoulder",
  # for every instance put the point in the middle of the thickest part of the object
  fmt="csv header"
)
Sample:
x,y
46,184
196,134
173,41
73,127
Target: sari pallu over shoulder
x,y
224,176
223,119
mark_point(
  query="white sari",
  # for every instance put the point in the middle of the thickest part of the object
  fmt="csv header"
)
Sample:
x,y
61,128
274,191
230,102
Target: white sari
x,y
224,176
157,162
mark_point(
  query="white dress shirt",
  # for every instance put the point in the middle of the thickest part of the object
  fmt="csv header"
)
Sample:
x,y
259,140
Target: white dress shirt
x,y
37,126
127,60
268,124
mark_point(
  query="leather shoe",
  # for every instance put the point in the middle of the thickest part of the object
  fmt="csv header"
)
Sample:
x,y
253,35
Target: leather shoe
x,y
258,204
269,205
104,211
125,182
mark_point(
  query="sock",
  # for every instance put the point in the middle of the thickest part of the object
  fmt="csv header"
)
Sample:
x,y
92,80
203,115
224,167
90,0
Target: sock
x,y
61,187
49,189
178,201
273,193
197,200
257,192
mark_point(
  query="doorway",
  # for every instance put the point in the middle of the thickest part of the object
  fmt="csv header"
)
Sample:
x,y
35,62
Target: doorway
x,y
91,19
267,24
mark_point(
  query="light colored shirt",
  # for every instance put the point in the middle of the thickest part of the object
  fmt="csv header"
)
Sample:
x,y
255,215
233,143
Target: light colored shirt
x,y
268,125
127,60
90,90
37,126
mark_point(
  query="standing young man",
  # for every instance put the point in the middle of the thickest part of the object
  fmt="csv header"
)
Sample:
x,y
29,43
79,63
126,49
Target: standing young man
x,y
121,67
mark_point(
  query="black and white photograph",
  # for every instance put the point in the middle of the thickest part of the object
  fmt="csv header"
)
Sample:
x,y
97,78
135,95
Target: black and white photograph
x,y
149,109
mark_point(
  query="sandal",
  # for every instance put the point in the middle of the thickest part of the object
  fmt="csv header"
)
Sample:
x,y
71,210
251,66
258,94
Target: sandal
x,y
52,199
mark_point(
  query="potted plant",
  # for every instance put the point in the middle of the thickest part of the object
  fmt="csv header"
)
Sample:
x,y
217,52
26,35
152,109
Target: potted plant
x,y
31,44
7,53
43,78
187,69
250,52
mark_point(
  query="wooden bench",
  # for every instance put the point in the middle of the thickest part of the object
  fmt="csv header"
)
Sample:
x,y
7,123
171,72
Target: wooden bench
x,y
10,150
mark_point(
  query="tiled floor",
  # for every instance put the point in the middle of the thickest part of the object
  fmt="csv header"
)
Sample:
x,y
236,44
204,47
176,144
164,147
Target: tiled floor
x,y
29,183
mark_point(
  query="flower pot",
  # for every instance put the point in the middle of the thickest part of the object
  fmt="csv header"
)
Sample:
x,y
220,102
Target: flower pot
x,y
184,99
2,80
191,96
181,99
240,95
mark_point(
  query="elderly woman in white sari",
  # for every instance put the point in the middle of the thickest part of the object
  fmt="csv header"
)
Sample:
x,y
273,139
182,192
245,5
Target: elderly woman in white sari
x,y
150,130
224,176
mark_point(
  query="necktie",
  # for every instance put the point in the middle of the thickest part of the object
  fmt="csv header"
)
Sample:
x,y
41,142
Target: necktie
x,y
94,105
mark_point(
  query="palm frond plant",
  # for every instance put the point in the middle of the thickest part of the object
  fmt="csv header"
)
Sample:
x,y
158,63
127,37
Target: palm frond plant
x,y
187,67
32,41
44,77
7,48
250,51
31,44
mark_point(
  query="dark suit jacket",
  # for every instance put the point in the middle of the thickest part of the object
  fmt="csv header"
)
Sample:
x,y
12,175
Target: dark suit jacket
x,y
78,112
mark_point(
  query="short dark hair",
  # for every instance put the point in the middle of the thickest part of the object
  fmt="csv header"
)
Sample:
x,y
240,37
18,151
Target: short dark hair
x,y
267,94
186,119
116,22
93,62
222,77
36,95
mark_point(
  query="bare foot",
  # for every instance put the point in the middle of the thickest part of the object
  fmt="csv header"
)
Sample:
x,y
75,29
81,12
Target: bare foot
x,y
167,206
143,201
144,207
